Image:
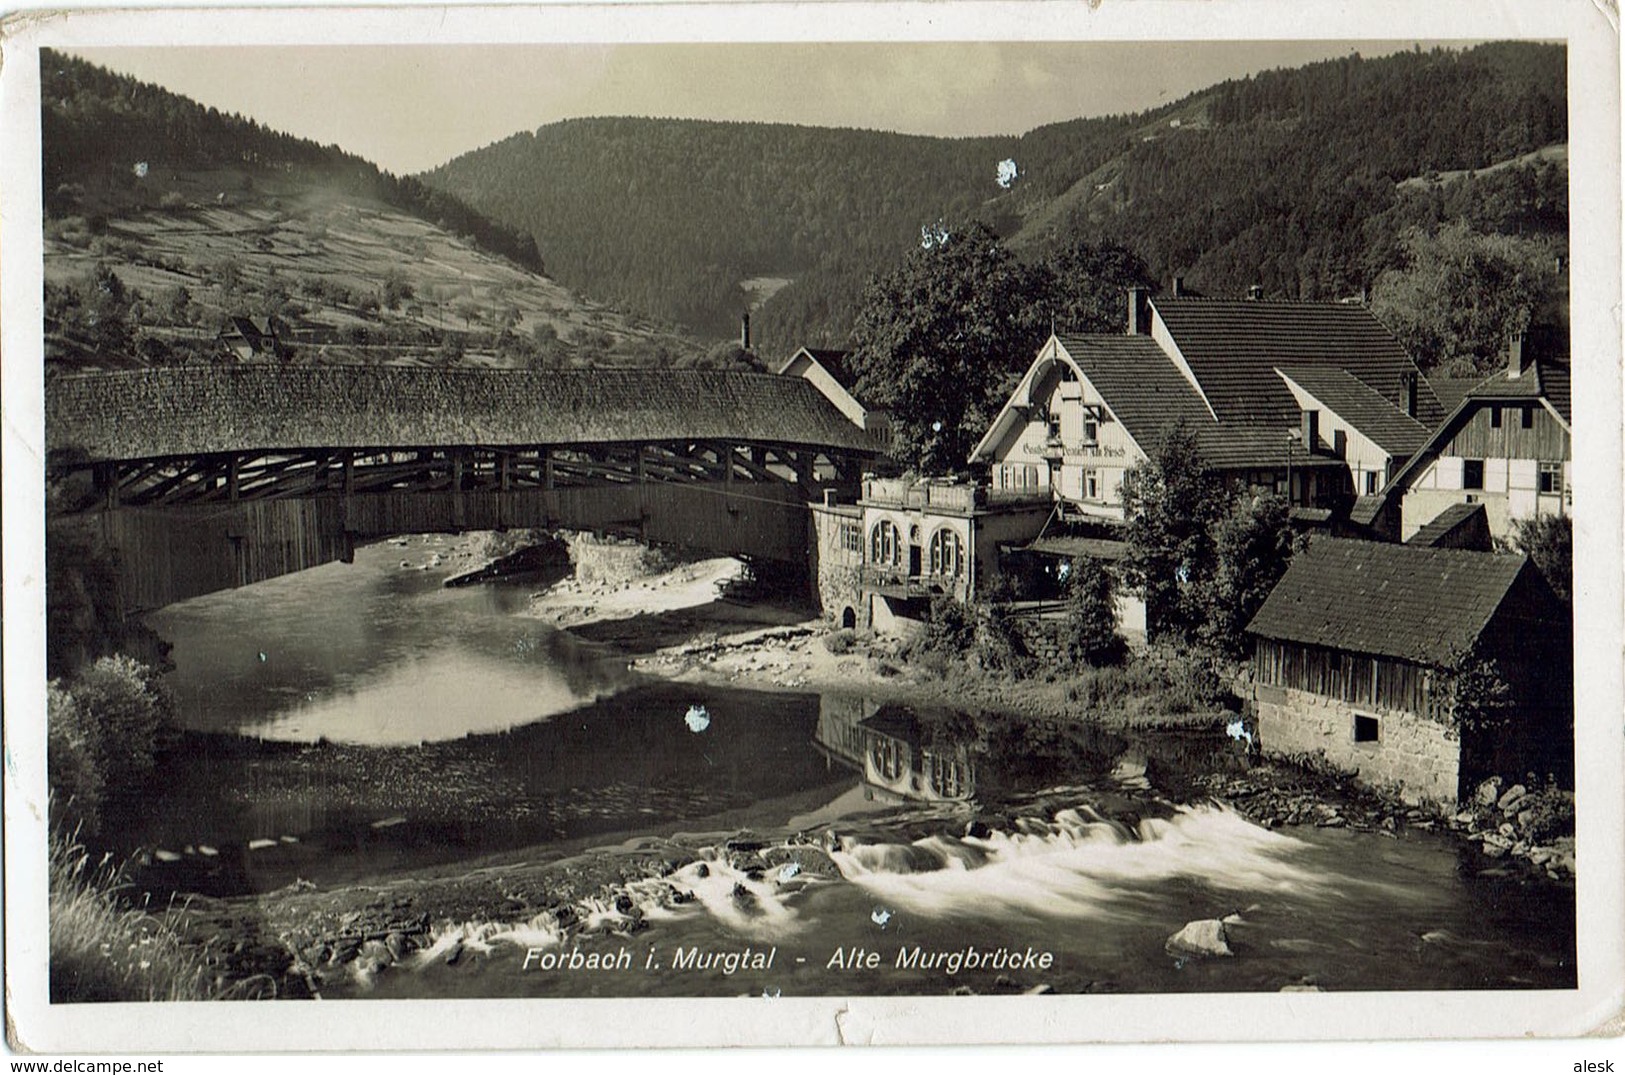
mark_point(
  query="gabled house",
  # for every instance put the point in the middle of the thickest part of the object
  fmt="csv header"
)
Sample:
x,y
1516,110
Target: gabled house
x,y
1507,445
1307,400
831,372
1314,401
1366,654
251,337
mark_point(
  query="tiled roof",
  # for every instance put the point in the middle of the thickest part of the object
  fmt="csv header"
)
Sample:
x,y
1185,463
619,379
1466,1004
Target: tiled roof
x,y
1365,509
149,413
1140,384
1416,604
1354,401
1148,394
1233,347
1452,390
1542,378
1445,525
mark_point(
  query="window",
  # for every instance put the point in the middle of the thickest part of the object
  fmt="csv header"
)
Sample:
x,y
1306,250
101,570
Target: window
x,y
1370,482
1091,428
1472,473
1495,417
887,757
1052,422
1365,729
1551,478
852,538
1527,417
1091,485
947,554
885,544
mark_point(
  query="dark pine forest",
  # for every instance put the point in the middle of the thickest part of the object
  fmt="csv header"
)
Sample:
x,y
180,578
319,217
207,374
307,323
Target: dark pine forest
x,y
1293,179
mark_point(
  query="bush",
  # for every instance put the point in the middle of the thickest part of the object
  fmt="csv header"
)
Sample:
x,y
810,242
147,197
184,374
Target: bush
x,y
839,642
1551,815
104,731
71,744
1091,617
952,626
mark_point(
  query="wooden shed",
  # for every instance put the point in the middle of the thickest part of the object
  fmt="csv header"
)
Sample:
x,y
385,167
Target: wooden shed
x,y
1369,655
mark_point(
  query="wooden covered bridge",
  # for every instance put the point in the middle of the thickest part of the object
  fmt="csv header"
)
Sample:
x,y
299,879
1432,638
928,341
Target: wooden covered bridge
x,y
202,479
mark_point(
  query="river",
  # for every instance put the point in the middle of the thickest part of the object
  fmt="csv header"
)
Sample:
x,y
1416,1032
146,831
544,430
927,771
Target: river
x,y
358,722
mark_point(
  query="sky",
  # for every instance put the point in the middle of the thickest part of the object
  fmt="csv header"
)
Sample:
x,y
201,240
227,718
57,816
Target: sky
x,y
410,108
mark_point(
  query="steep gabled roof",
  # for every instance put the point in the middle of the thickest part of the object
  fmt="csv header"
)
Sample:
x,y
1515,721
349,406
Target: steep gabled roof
x,y
1540,379
1423,605
1148,394
1362,407
1143,388
1233,347
149,413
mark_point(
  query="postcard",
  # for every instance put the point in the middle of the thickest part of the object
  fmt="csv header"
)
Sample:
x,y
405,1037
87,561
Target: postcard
x,y
752,524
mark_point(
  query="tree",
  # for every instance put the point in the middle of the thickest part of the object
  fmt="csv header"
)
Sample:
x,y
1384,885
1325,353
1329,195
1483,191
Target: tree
x,y
939,339
1462,296
1086,285
1252,546
108,311
1548,540
1091,616
1170,502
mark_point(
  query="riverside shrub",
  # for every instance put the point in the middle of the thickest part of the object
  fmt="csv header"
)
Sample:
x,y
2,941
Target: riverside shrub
x,y
105,729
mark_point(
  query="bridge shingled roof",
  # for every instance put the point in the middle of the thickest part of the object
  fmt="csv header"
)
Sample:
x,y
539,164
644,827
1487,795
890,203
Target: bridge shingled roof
x,y
152,413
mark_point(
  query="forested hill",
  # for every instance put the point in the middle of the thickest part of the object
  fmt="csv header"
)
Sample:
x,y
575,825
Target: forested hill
x,y
1295,179
91,117
672,215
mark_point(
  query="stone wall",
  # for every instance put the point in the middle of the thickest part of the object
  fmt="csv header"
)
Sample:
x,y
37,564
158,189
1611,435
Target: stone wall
x,y
836,568
614,560
1422,756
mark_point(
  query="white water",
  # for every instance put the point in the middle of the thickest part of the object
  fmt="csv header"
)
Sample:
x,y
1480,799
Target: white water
x,y
1078,868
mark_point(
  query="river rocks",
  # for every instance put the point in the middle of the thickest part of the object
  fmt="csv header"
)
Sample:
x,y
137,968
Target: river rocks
x,y
1489,791
397,944
1508,803
1202,938
809,861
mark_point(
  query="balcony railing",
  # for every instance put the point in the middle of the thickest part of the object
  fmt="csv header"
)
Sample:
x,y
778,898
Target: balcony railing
x,y
930,496
895,582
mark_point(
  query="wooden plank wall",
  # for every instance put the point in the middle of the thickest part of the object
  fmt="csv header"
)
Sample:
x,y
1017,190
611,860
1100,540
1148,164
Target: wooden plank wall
x,y
1545,439
171,554
1350,677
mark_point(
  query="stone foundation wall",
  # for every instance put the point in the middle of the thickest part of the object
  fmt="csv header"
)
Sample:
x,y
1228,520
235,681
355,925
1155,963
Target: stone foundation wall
x,y
835,568
615,561
1422,756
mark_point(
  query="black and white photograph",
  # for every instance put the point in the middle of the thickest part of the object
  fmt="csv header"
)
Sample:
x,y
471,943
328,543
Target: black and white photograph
x,y
1043,523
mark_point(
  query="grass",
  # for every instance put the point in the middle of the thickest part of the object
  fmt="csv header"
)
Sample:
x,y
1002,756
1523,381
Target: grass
x,y
102,950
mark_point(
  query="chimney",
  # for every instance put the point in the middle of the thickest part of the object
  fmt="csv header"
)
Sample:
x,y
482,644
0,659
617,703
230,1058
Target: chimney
x,y
1311,431
744,331
1255,291
1179,286
1139,312
1515,357
1407,390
